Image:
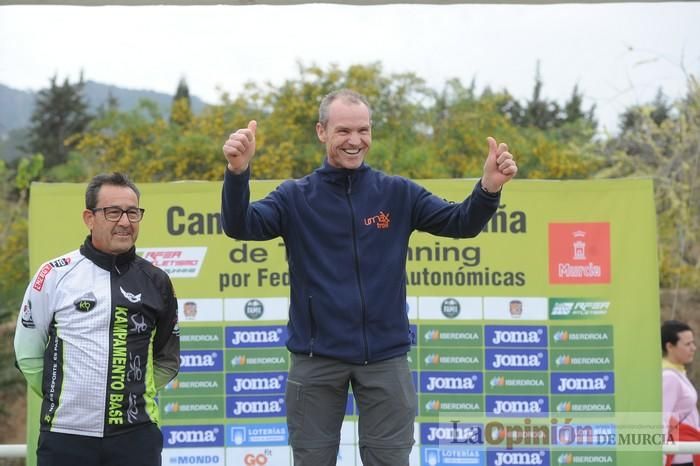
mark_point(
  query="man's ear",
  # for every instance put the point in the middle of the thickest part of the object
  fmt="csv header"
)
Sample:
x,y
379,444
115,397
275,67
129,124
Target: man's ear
x,y
321,132
88,218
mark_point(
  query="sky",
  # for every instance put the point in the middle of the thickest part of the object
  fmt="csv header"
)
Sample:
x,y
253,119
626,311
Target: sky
x,y
619,54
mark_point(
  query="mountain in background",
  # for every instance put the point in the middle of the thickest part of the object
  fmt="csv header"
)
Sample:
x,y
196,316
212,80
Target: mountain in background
x,y
16,105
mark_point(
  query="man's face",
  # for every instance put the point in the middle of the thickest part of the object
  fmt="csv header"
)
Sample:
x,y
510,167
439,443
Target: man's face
x,y
190,310
107,236
347,134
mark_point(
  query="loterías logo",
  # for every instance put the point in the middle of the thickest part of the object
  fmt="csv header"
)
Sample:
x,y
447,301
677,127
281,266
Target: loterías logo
x,y
579,253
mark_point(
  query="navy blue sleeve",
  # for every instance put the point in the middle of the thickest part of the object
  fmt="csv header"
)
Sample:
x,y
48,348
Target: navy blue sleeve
x,y
243,220
456,220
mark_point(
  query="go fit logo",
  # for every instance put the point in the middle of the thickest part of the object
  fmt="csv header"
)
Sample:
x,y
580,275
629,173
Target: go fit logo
x,y
579,253
252,459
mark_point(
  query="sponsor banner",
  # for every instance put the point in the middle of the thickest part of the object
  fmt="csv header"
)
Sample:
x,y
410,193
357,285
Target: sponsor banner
x,y
586,383
580,404
581,335
515,309
577,308
256,383
579,253
195,407
255,406
529,457
595,359
251,435
346,455
177,436
350,405
256,337
451,456
200,310
450,335
177,262
255,359
194,383
413,334
584,457
192,337
412,307
516,383
412,358
516,337
201,361
458,359
451,434
451,308
583,435
517,406
451,382
193,456
348,433
258,456
516,359
438,404
256,309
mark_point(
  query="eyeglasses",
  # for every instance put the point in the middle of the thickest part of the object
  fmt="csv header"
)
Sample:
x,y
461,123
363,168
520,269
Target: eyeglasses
x,y
114,213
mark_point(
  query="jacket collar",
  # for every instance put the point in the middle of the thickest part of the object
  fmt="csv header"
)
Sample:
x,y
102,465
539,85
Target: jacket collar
x,y
340,175
109,262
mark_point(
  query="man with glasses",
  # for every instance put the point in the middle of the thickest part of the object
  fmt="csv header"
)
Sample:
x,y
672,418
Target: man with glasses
x,y
97,336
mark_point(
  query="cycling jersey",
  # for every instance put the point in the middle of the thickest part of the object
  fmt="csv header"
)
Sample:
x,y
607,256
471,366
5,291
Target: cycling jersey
x,y
96,337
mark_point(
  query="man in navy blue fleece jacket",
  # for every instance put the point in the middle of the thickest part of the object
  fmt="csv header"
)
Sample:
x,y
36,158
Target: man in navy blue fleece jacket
x,y
346,229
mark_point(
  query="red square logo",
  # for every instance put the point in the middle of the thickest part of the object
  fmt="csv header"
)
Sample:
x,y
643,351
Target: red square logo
x,y
579,253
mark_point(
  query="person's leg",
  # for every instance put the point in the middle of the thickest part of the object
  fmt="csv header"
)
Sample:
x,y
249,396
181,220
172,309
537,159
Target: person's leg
x,y
56,449
316,396
386,400
140,447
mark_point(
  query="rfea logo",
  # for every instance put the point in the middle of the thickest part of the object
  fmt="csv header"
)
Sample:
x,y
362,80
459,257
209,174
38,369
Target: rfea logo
x,y
579,253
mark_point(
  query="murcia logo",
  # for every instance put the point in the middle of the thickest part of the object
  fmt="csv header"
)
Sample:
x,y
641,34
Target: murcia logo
x,y
134,298
381,220
254,309
85,303
450,308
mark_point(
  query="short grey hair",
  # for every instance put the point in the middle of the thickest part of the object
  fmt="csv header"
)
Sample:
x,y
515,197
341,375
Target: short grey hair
x,y
345,94
114,179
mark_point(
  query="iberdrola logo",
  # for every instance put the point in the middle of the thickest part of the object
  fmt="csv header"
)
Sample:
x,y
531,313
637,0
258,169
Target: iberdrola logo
x,y
564,407
432,335
239,360
433,405
563,360
565,458
498,381
172,407
562,335
173,385
432,359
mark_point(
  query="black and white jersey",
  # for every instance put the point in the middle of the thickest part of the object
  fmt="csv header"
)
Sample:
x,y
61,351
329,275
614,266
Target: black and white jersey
x,y
96,337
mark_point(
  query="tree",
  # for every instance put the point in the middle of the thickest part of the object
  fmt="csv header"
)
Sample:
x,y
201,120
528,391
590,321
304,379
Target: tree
x,y
59,114
662,140
181,109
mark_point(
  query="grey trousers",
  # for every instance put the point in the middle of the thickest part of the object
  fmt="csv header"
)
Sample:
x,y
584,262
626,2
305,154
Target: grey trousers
x,y
316,396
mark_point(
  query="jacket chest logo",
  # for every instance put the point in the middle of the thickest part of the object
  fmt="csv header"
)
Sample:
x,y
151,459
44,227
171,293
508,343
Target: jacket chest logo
x,y
381,220
134,298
